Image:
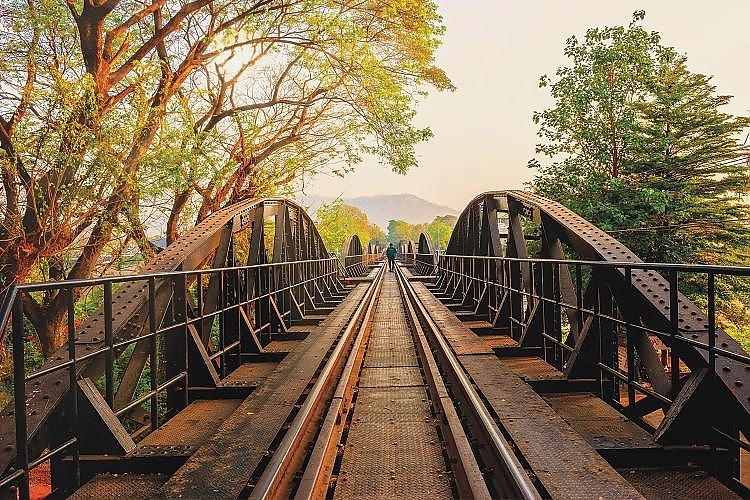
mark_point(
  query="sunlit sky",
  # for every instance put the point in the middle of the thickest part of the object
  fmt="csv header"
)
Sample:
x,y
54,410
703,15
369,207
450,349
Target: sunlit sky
x,y
495,50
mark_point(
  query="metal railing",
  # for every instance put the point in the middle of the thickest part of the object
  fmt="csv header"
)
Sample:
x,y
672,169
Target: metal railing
x,y
527,297
356,265
270,295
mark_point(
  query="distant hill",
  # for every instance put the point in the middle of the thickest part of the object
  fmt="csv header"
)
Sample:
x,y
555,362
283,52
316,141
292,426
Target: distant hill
x,y
382,208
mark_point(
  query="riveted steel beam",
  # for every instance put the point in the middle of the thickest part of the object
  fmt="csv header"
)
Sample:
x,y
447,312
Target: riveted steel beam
x,y
630,300
129,316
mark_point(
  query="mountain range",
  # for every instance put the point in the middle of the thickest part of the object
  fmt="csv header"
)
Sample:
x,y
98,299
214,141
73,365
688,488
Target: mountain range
x,y
382,208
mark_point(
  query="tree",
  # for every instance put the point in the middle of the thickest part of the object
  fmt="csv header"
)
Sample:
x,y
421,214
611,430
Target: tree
x,y
440,230
336,222
638,146
318,99
377,235
401,230
110,108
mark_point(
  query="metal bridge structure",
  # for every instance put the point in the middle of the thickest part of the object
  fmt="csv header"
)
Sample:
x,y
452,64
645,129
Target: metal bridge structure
x,y
246,361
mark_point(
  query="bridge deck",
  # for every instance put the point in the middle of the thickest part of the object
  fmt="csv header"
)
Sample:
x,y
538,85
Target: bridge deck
x,y
561,459
574,445
220,465
511,385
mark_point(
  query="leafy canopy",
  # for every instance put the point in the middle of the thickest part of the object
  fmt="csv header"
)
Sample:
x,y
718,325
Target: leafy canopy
x,y
337,221
637,144
117,114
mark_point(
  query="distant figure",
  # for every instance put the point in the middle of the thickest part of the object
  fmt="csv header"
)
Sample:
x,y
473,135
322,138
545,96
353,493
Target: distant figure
x,y
390,252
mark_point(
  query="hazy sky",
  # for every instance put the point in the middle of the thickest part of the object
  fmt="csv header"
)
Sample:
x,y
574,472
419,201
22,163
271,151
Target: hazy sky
x,y
495,50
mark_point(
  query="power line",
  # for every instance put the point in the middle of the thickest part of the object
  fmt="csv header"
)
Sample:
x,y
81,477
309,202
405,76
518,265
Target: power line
x,y
675,226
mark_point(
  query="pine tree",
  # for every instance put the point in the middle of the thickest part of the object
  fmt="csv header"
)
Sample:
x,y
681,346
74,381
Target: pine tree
x,y
640,148
691,172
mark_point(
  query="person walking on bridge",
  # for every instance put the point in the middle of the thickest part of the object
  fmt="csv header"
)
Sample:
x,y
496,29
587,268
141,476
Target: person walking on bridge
x,y
390,252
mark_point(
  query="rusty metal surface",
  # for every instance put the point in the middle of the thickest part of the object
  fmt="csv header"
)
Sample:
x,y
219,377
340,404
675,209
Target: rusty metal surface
x,y
477,323
391,357
677,484
650,288
403,459
600,424
532,368
281,345
390,343
120,487
249,373
130,311
392,449
564,462
192,426
403,376
222,466
388,405
462,339
493,341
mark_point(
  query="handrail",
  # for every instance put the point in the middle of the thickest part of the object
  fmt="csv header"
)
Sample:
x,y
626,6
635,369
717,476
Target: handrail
x,y
11,310
558,303
656,266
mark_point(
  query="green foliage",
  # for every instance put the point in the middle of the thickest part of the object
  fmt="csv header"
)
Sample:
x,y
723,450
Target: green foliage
x,y
401,230
336,222
637,144
639,147
440,230
377,235
107,114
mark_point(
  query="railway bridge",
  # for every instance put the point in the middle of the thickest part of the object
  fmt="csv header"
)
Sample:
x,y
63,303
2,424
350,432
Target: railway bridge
x,y
537,357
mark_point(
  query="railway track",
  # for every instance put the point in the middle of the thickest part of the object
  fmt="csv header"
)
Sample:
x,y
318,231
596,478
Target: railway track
x,y
507,377
390,427
389,396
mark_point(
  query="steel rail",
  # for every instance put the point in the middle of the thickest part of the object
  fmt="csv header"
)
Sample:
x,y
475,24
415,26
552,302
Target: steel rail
x,y
470,482
315,479
273,480
522,484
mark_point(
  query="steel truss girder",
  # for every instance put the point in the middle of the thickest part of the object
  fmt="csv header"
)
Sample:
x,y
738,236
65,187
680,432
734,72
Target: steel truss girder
x,y
640,296
353,256
296,239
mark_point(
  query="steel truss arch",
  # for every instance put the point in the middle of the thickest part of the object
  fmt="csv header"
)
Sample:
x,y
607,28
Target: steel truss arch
x,y
354,256
620,316
225,287
426,256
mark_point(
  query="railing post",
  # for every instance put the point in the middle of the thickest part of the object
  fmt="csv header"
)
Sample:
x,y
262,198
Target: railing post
x,y
557,317
516,300
152,327
108,343
712,361
579,297
221,305
19,386
596,309
674,309
177,345
73,383
630,339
